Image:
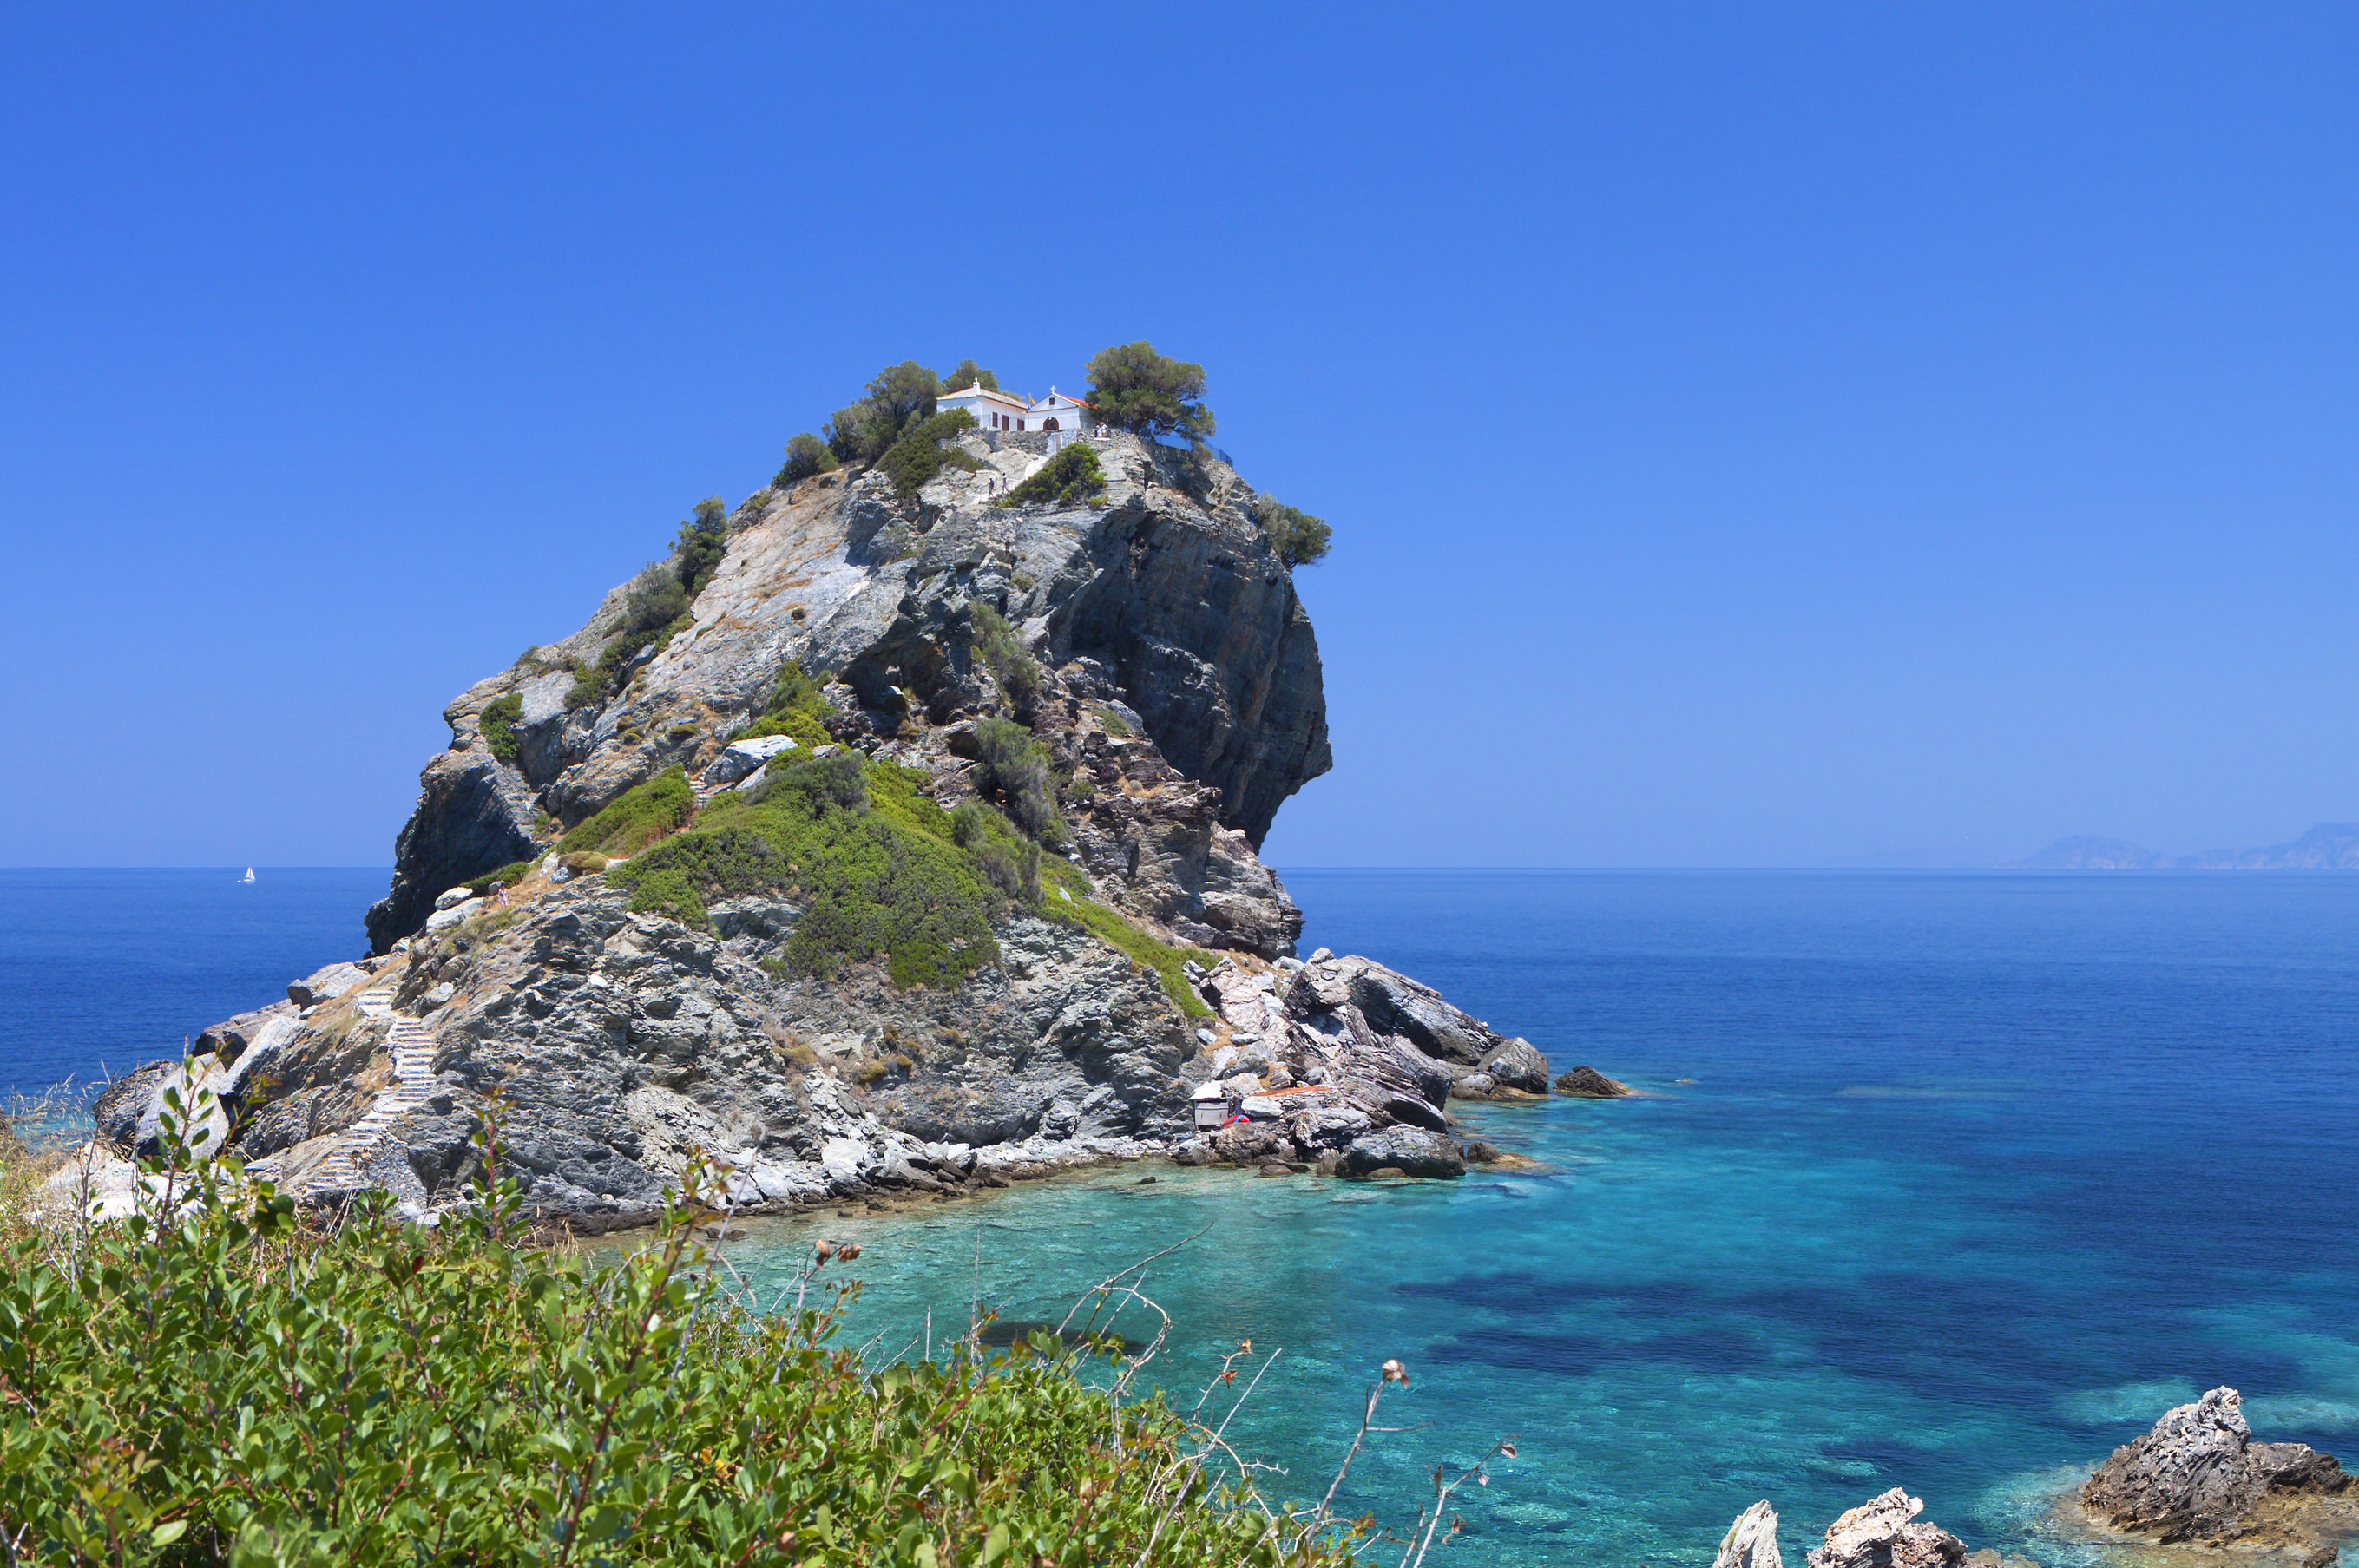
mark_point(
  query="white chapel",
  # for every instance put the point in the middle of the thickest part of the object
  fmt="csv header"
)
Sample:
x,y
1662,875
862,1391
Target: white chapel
x,y
1006,411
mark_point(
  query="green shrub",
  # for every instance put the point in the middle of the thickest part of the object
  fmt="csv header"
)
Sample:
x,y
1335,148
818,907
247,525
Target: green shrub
x,y
677,876
658,605
507,876
1299,540
583,863
1069,478
1112,723
912,461
588,687
865,852
1008,860
795,709
839,781
641,814
232,1386
703,539
994,644
495,721
1016,768
1132,387
806,455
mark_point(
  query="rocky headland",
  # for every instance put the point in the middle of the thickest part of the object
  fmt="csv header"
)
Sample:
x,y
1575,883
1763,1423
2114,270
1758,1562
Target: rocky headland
x,y
915,850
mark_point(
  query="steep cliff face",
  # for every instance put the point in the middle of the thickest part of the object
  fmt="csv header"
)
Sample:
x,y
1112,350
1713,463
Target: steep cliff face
x,y
1157,609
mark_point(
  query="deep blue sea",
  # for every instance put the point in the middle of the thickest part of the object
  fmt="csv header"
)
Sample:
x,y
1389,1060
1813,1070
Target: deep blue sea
x,y
101,970
1951,1182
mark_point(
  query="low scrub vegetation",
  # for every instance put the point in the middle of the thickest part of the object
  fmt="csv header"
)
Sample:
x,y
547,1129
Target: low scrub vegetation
x,y
914,459
657,606
505,876
994,644
865,852
1070,479
795,709
496,722
641,814
1016,769
232,1384
1169,964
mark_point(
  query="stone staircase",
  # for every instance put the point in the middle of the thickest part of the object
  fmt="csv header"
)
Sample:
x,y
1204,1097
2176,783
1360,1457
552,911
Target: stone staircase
x,y
413,1085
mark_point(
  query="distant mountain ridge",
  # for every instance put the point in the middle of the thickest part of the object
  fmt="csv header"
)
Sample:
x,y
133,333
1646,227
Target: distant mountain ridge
x,y
2329,847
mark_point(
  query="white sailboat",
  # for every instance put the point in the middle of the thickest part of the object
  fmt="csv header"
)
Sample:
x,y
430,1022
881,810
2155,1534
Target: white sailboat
x,y
249,875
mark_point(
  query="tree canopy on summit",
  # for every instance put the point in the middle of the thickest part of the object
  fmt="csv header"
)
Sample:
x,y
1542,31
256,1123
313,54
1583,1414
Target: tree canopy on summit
x,y
1133,388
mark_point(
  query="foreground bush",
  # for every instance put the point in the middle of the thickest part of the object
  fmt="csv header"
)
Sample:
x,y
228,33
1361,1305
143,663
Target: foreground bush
x,y
229,1387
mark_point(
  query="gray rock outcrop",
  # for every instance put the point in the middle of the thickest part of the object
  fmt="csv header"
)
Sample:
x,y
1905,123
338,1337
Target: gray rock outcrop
x,y
1885,1532
473,816
325,985
1411,1150
1751,1541
2199,1476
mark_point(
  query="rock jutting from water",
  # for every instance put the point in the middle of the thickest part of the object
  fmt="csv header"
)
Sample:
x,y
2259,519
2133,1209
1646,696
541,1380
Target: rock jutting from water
x,y
1883,1532
2199,1478
1126,687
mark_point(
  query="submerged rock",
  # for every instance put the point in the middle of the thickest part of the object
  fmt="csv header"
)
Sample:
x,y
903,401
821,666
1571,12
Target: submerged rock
x,y
2199,1476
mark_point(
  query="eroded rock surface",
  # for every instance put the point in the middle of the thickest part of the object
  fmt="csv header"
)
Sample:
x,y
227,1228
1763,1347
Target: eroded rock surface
x,y
1885,1532
2199,1476
1751,1541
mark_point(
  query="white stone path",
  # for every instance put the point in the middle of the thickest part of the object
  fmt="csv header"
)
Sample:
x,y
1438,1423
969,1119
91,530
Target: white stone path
x,y
413,1085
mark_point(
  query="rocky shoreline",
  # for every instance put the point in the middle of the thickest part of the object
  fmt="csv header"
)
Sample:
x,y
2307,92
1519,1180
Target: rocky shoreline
x,y
2194,1487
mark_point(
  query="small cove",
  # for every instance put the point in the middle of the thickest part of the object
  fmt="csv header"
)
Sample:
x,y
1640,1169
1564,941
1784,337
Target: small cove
x,y
1970,1177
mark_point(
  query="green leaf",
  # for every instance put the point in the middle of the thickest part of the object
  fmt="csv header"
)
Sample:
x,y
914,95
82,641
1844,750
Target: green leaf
x,y
170,1530
995,1545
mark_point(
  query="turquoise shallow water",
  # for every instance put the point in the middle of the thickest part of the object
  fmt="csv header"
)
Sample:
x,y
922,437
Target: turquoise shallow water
x,y
1974,1174
1945,1182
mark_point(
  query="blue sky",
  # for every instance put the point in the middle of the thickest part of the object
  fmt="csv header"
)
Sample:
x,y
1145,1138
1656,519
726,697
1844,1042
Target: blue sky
x,y
1754,435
